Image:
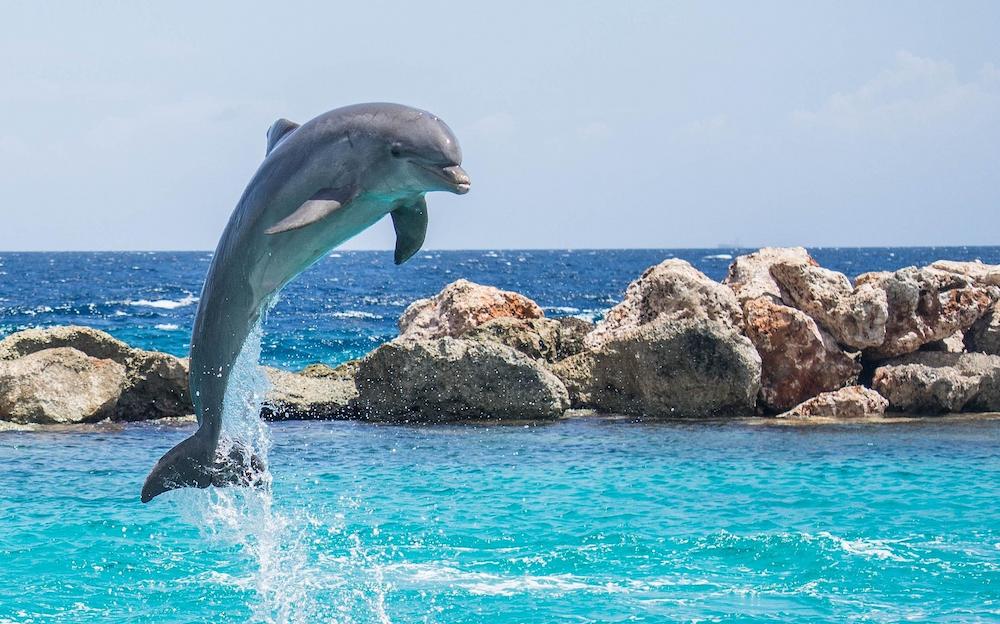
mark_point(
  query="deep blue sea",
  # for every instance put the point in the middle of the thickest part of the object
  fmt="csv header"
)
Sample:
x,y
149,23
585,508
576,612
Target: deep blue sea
x,y
583,520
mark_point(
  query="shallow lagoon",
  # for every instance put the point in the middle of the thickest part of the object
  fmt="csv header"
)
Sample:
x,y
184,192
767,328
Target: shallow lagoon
x,y
581,520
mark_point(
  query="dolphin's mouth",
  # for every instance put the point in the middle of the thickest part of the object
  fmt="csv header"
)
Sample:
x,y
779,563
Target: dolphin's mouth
x,y
453,175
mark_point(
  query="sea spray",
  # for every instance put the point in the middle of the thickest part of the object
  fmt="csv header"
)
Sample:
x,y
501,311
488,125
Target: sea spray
x,y
291,581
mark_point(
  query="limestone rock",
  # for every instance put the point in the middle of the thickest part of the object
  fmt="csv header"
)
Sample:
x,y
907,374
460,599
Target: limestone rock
x,y
982,274
59,385
541,339
925,305
449,379
849,402
931,382
459,307
669,292
93,342
750,275
798,359
984,336
687,368
954,343
347,370
855,317
300,397
156,386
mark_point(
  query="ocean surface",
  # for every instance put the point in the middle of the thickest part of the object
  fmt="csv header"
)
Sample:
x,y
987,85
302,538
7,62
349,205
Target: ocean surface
x,y
583,520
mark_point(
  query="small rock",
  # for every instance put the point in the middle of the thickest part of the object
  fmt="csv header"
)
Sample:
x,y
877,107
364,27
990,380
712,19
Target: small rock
x,y
347,370
954,343
536,338
59,385
750,275
984,336
459,307
689,368
931,382
855,317
452,379
572,336
849,402
669,292
925,305
156,386
798,359
299,397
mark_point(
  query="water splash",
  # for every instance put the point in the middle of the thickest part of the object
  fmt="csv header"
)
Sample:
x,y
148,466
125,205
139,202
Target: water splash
x,y
290,580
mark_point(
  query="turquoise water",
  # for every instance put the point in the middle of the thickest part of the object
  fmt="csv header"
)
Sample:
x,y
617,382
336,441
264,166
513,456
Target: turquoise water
x,y
576,521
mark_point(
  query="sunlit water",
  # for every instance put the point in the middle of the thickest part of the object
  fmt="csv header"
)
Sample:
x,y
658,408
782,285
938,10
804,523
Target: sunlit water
x,y
593,520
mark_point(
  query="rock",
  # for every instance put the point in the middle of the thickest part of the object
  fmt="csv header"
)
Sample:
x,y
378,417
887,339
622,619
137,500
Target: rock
x,y
982,274
93,342
798,359
347,370
855,317
984,335
849,402
300,397
449,379
59,385
750,275
156,386
688,368
931,382
669,292
459,307
925,305
954,343
544,339
572,336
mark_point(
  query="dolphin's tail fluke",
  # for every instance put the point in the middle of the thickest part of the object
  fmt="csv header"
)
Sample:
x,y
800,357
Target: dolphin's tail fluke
x,y
194,463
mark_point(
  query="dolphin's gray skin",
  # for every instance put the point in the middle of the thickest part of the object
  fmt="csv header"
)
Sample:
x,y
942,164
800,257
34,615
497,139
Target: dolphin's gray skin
x,y
319,185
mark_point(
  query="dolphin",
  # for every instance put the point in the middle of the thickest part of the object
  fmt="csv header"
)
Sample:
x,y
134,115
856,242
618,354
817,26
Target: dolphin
x,y
320,184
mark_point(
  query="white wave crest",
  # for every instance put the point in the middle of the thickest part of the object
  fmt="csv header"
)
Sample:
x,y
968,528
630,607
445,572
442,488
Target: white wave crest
x,y
164,304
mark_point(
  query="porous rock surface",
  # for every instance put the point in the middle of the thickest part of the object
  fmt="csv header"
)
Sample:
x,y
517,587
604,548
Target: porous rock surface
x,y
687,368
849,402
59,385
931,382
672,291
461,306
455,379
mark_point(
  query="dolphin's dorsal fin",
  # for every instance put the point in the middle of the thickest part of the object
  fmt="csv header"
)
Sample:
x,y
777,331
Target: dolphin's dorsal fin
x,y
278,131
410,223
321,205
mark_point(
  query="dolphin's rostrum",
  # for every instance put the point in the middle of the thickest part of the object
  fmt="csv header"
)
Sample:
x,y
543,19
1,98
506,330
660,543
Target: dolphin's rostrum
x,y
320,184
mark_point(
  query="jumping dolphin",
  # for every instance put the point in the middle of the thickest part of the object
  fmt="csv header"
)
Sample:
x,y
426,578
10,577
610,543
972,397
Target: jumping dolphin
x,y
320,184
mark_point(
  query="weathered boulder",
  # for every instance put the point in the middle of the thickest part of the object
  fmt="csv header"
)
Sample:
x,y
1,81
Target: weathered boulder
x,y
93,342
798,359
687,368
750,275
59,385
455,379
156,386
542,339
459,307
984,335
925,305
954,343
930,382
855,317
982,274
295,396
849,402
669,292
347,370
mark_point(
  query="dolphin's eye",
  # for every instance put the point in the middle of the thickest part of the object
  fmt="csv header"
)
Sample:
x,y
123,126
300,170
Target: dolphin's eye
x,y
396,150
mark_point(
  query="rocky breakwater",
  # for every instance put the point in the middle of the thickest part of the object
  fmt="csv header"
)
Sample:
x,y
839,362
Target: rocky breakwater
x,y
780,336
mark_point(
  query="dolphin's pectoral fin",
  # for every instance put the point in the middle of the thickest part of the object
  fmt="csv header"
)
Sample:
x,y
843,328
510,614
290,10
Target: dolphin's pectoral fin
x,y
410,223
321,205
278,130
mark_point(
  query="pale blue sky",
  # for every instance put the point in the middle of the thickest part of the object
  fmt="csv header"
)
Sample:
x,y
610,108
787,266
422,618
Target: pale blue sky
x,y
615,124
